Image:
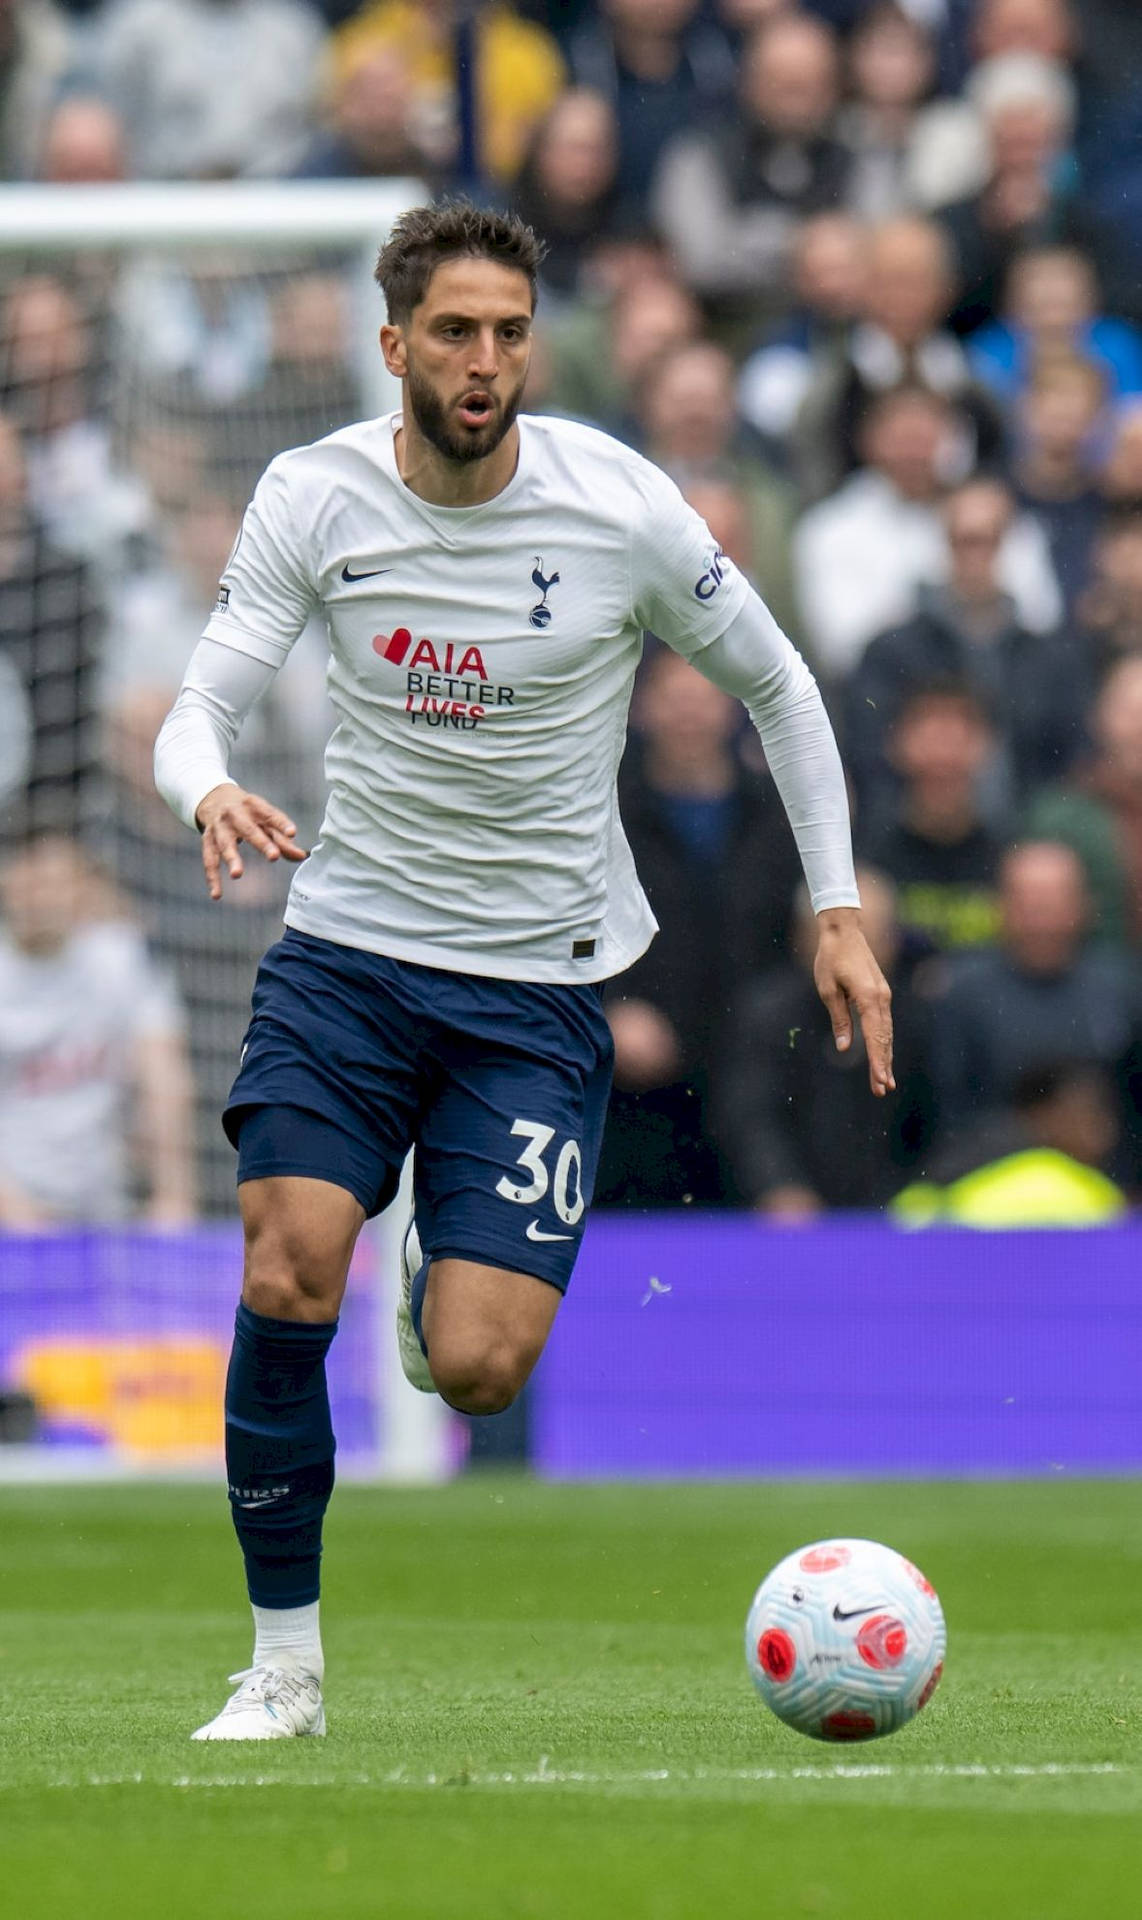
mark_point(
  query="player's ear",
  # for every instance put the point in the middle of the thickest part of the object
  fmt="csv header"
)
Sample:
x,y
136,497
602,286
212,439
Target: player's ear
x,y
394,351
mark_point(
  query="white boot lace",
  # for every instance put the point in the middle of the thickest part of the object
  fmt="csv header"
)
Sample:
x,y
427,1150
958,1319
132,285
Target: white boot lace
x,y
257,1685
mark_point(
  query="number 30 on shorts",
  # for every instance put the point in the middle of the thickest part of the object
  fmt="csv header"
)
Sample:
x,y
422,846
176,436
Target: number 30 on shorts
x,y
564,1180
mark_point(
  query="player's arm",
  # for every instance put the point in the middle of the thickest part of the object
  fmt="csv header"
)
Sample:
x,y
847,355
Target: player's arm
x,y
192,770
687,591
754,660
266,595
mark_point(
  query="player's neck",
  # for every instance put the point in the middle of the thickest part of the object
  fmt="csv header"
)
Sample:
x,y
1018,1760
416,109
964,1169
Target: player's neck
x,y
453,483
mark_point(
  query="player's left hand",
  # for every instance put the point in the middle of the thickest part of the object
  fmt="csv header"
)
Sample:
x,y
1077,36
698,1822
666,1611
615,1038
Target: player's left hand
x,y
847,976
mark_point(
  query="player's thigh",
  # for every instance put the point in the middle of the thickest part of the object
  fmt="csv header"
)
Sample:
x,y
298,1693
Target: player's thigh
x,y
330,1083
299,1239
506,1155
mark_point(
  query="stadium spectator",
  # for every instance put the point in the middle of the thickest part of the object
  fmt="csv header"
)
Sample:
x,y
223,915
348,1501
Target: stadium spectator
x,y
1058,425
160,615
520,73
1044,994
1052,309
1044,27
567,188
735,519
15,733
308,387
240,364
1098,812
663,65
687,423
827,275
50,378
1120,474
788,1114
1109,613
935,844
861,556
953,158
377,125
603,351
37,52
892,66
94,1082
900,336
193,327
729,196
1033,684
84,142
706,834
51,626
210,89
1039,1165
1027,105
1109,144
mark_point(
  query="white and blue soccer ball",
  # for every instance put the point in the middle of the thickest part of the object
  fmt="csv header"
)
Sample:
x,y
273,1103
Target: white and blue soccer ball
x,y
845,1640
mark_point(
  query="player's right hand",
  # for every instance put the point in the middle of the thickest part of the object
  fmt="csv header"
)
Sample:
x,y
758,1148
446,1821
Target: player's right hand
x,y
227,816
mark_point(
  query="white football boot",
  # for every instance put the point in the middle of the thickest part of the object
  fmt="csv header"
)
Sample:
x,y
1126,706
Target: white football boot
x,y
272,1703
412,1359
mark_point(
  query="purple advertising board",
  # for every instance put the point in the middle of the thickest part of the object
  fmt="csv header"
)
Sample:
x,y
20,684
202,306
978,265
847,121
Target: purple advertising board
x,y
122,1340
714,1345
689,1345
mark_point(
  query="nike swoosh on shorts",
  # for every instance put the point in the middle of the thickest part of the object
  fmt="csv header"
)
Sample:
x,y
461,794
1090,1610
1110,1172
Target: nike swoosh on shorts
x,y
535,1232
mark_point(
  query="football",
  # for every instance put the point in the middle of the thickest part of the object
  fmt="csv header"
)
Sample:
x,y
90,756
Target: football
x,y
845,1640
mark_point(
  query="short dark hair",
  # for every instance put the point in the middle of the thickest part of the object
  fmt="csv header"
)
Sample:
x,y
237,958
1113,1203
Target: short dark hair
x,y
424,237
1046,1079
944,689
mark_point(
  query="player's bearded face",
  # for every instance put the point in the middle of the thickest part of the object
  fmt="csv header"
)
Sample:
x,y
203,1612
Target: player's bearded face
x,y
443,425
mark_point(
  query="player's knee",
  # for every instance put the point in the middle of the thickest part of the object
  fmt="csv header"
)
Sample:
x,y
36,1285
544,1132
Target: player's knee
x,y
480,1381
285,1279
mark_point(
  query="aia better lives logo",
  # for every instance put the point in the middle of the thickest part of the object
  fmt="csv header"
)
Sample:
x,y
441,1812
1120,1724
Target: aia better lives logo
x,y
446,685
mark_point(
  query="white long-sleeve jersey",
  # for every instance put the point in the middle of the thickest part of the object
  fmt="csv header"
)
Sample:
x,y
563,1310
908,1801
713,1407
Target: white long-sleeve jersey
x,y
481,665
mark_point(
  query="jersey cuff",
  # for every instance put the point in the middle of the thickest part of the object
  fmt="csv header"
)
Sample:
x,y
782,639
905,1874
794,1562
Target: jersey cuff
x,y
835,897
228,633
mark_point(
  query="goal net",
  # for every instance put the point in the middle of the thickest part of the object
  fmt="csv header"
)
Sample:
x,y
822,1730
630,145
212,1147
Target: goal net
x,y
158,345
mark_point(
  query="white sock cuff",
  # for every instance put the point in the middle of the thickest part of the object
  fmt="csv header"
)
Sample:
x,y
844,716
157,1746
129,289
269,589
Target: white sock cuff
x,y
292,1630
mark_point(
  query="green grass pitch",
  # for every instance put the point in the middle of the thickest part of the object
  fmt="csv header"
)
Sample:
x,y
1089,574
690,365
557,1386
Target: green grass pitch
x,y
538,1708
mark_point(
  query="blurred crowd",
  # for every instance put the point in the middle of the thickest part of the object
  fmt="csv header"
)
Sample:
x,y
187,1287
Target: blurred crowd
x,y
865,276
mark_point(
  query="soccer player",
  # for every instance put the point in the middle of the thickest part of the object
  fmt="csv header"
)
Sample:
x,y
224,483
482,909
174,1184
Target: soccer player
x,y
486,579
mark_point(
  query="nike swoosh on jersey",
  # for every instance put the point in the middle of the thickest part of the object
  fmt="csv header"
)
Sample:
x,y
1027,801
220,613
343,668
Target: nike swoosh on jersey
x,y
369,574
535,1232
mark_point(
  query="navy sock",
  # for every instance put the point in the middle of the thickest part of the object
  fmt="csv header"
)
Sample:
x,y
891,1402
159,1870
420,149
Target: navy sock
x,y
416,1304
279,1453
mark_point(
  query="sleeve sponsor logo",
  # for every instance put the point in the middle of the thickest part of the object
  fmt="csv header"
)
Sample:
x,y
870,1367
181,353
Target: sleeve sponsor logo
x,y
222,604
707,586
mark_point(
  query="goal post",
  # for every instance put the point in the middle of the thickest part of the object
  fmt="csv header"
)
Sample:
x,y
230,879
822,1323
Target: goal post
x,y
37,222
158,344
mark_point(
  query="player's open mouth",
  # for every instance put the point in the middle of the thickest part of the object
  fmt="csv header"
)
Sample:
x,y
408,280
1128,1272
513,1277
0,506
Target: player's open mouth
x,y
476,409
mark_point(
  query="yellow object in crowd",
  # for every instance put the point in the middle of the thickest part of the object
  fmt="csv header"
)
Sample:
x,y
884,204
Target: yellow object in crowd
x,y
520,71
1038,1187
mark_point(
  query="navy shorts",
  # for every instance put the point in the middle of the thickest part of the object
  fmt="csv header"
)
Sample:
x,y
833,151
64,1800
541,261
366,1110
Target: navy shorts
x,y
351,1058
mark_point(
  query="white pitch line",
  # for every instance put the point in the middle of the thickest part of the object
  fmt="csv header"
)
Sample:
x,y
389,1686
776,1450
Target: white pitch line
x,y
547,1776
